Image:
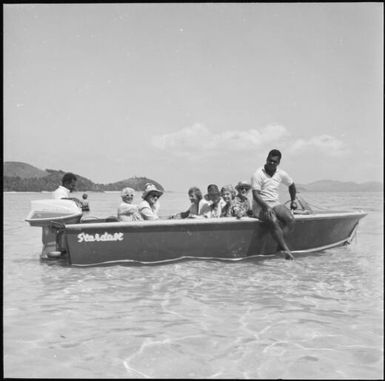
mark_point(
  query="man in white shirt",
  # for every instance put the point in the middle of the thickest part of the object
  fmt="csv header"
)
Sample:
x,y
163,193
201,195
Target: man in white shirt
x,y
266,206
68,186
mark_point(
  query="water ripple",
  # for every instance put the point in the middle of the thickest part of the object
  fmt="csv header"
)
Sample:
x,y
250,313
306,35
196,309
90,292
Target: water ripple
x,y
320,316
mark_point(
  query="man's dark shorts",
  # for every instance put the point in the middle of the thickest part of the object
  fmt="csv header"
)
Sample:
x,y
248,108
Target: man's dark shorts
x,y
281,213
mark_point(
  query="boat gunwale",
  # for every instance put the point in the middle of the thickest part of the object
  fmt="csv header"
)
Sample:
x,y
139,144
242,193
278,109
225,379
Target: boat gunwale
x,y
206,221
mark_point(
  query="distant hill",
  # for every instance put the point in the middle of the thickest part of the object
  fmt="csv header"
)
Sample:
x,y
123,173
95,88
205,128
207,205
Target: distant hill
x,y
22,170
137,183
340,186
47,183
22,177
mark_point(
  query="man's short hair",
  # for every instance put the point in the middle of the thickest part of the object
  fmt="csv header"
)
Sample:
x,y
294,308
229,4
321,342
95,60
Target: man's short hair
x,y
275,152
68,177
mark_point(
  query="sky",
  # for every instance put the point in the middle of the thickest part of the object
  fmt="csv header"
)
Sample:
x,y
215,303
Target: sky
x,y
195,93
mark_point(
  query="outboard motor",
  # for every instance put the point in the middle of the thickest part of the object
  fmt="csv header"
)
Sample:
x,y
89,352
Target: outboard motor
x,y
49,214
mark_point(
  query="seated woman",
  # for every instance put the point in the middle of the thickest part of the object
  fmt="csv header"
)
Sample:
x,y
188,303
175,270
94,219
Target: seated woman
x,y
195,196
228,194
241,201
213,203
149,207
127,211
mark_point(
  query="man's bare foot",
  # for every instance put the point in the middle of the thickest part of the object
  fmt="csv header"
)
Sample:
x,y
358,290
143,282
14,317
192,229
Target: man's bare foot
x,y
288,255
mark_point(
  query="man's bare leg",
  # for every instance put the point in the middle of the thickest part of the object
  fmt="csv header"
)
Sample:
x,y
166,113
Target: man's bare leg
x,y
279,237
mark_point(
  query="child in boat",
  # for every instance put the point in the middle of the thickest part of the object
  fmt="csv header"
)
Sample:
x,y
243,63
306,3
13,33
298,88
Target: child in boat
x,y
241,201
213,203
127,211
195,196
149,207
85,204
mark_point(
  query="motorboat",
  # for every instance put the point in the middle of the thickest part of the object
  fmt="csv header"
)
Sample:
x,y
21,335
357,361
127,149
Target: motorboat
x,y
91,241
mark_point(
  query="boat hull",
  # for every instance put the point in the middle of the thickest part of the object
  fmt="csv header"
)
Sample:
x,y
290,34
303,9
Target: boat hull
x,y
88,244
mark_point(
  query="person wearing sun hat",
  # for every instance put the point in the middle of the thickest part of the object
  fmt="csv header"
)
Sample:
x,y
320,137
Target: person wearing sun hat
x,y
242,204
127,211
149,207
243,185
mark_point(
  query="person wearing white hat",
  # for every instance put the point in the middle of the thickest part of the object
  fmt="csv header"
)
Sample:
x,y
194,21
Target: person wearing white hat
x,y
127,211
241,201
149,207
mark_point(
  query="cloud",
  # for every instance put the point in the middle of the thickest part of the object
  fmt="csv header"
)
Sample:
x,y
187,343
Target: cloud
x,y
199,141
325,144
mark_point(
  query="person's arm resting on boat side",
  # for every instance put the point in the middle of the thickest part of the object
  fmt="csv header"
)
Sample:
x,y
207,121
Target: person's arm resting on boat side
x,y
293,194
148,214
180,215
185,214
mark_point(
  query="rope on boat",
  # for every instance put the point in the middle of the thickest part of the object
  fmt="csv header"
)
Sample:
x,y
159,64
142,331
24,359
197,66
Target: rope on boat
x,y
311,204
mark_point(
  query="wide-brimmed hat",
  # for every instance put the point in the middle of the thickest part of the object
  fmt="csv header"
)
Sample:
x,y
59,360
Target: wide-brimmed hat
x,y
243,184
127,192
151,188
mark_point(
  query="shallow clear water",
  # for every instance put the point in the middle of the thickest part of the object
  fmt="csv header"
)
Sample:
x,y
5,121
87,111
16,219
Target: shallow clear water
x,y
320,316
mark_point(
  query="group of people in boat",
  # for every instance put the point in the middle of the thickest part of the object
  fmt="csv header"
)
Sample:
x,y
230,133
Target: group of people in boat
x,y
214,204
227,202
